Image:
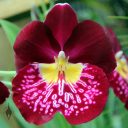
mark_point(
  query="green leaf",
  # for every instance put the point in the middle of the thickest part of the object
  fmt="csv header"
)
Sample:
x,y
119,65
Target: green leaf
x,y
3,123
22,123
58,122
118,17
11,30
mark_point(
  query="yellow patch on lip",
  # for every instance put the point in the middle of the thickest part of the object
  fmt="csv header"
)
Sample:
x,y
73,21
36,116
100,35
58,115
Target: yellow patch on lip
x,y
122,65
61,68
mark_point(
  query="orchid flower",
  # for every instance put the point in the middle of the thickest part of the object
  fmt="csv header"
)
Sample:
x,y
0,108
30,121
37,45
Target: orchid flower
x,y
62,66
4,93
119,79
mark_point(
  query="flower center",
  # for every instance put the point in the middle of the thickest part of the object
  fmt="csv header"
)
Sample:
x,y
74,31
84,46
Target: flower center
x,y
61,70
61,61
122,66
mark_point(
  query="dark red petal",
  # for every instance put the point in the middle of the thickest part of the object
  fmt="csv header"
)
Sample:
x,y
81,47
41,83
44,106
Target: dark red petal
x,y
61,20
89,44
120,86
4,93
126,105
90,96
80,102
114,41
35,44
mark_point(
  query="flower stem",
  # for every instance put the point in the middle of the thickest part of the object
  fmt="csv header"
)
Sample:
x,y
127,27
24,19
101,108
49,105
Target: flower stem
x,y
44,7
9,73
118,17
52,2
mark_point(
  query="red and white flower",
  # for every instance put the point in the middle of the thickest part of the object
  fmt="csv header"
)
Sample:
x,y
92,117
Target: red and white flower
x,y
119,78
62,67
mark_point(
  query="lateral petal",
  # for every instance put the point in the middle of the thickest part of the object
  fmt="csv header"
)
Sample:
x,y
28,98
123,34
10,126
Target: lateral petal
x,y
90,44
35,44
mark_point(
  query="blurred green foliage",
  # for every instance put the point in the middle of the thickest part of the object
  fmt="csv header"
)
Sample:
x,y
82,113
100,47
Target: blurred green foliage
x,y
112,13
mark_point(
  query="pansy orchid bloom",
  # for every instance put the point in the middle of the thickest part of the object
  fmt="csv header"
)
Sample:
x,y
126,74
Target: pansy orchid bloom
x,y
4,93
69,73
119,79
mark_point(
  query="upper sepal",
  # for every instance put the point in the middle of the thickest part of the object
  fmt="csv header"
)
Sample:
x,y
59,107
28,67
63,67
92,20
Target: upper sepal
x,y
61,20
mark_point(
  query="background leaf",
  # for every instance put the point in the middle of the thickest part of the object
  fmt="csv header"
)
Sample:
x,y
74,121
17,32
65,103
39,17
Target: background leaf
x,y
11,30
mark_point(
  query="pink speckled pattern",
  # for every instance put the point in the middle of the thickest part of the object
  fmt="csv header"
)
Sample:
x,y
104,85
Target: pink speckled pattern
x,y
120,86
79,102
